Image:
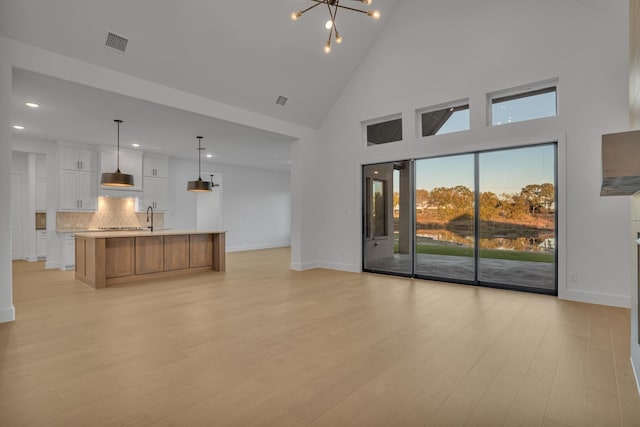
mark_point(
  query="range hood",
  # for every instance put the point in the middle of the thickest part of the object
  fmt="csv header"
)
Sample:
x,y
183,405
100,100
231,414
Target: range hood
x,y
620,163
118,193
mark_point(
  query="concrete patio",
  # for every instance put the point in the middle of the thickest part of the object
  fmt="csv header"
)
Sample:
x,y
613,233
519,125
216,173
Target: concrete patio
x,y
509,272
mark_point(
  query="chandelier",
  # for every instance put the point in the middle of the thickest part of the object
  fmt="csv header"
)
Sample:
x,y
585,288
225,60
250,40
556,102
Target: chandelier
x,y
333,6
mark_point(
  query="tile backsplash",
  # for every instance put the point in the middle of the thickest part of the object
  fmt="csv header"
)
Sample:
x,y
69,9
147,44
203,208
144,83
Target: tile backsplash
x,y
112,212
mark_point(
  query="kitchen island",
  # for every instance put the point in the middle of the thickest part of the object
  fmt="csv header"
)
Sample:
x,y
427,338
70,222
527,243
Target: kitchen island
x,y
106,258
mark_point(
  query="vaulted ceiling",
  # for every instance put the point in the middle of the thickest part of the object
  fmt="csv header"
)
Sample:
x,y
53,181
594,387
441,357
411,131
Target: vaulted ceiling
x,y
241,53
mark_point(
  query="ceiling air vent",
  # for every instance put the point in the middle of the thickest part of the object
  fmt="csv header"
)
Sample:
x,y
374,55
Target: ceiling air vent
x,y
282,100
116,42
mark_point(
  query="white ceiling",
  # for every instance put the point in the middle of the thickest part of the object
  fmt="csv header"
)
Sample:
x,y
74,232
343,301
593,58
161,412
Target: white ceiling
x,y
241,53
77,113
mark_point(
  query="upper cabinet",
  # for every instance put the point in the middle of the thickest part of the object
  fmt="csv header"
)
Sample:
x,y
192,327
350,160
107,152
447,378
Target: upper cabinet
x,y
155,169
73,158
78,183
130,163
155,166
78,191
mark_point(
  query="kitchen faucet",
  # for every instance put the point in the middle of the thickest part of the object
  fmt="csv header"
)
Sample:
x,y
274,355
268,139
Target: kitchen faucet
x,y
150,209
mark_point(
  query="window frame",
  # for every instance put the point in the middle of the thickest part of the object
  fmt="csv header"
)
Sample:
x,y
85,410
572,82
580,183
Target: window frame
x,y
457,104
365,124
520,92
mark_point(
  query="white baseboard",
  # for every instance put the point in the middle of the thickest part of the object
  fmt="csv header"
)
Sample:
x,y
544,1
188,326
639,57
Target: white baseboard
x,y
257,247
31,259
49,265
297,266
7,314
623,301
635,374
351,268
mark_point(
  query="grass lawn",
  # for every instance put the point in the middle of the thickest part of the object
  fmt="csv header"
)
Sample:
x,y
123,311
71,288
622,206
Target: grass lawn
x,y
423,248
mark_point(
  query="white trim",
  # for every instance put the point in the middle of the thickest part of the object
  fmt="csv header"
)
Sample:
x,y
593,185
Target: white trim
x,y
635,374
256,247
350,268
597,298
8,314
366,123
522,89
420,111
297,266
50,265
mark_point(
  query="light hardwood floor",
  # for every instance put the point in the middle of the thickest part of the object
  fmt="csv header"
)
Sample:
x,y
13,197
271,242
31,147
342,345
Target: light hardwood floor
x,y
262,345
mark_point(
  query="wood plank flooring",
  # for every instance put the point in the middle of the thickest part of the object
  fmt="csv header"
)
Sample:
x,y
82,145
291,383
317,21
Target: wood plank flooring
x,y
262,345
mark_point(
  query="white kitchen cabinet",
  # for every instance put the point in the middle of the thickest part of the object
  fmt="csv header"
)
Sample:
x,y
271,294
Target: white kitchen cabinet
x,y
41,244
155,166
78,191
41,194
68,251
79,159
130,164
155,194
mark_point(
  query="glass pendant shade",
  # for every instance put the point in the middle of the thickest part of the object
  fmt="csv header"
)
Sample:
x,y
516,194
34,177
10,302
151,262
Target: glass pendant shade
x,y
117,178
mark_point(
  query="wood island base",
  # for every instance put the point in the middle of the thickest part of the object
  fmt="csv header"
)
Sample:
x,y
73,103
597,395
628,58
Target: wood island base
x,y
105,258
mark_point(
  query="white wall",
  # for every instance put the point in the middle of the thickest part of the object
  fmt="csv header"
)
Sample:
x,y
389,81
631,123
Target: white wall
x,y
306,184
442,50
49,149
634,110
256,203
7,310
635,288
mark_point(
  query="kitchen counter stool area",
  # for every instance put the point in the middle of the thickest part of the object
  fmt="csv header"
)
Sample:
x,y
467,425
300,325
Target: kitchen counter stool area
x,y
106,258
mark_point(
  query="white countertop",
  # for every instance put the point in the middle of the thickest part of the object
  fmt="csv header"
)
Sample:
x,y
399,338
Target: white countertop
x,y
142,233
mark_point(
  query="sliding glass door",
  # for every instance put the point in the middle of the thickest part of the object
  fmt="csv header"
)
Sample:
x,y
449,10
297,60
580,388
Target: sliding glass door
x,y
485,218
445,218
517,217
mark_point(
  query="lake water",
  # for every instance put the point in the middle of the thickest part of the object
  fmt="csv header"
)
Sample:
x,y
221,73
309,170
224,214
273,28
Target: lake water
x,y
541,242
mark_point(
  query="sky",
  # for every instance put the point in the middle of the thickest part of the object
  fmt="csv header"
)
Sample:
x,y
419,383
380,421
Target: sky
x,y
504,171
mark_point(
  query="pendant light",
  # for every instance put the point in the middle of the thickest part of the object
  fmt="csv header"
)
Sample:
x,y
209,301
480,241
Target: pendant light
x,y
117,178
199,185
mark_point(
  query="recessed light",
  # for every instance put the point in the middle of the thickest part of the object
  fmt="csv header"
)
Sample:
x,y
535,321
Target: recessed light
x,y
209,155
31,104
376,172
18,127
135,145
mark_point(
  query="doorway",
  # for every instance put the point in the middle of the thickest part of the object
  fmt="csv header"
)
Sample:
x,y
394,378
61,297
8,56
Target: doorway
x,y
388,218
